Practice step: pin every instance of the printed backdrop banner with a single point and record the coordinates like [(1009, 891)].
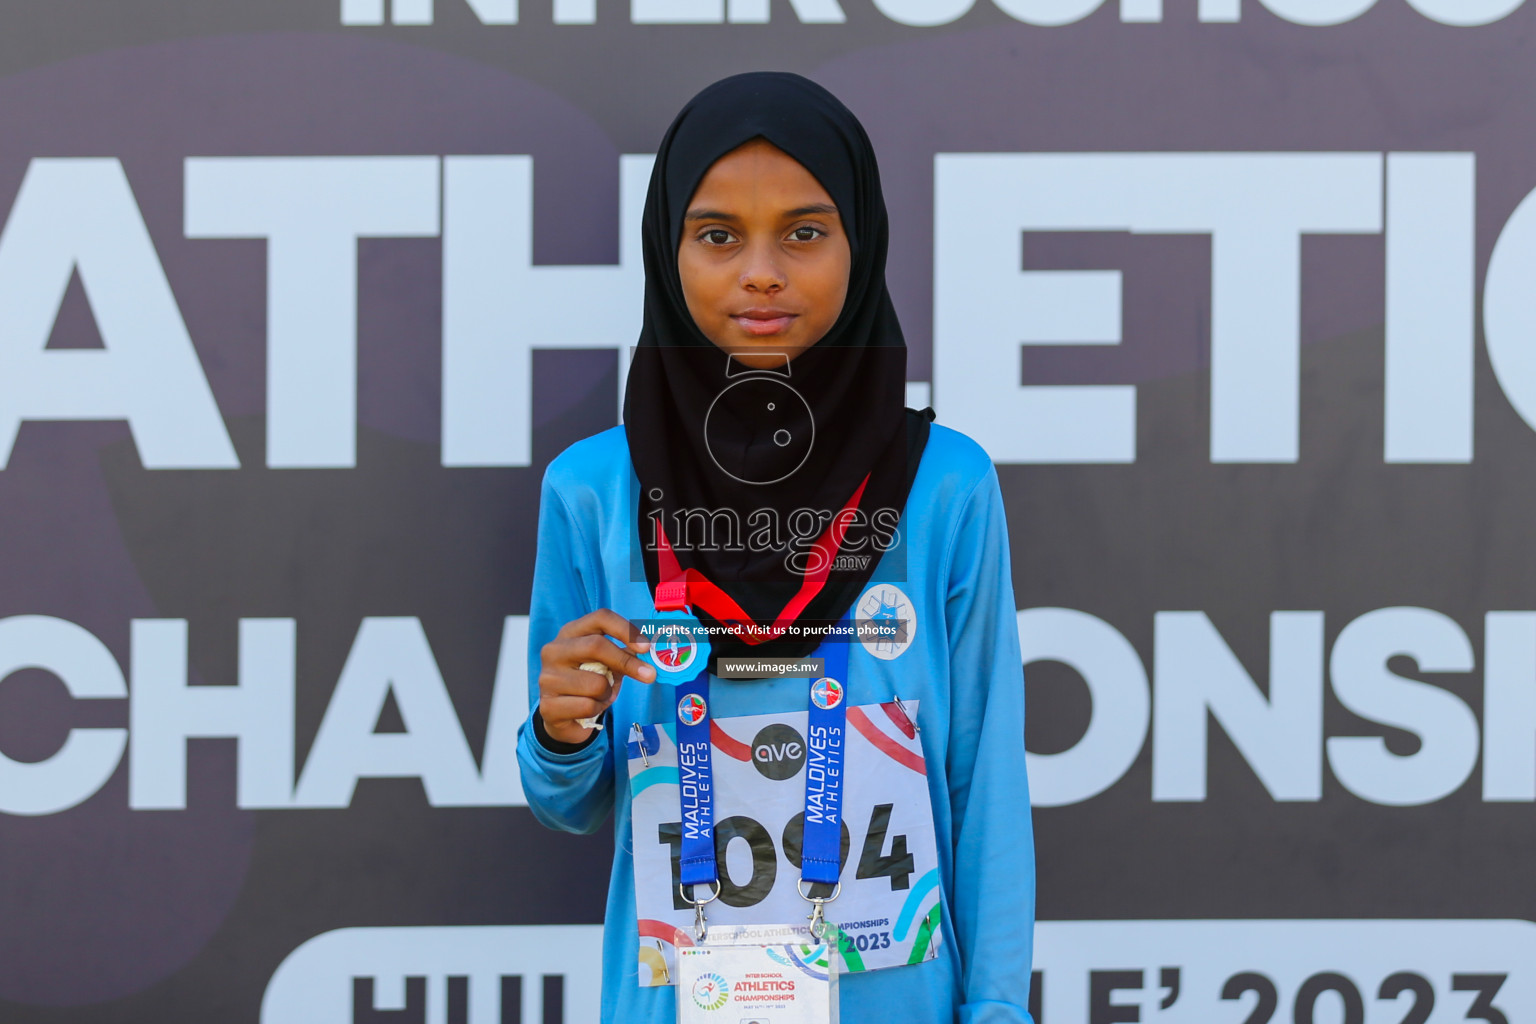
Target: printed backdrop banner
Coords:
[(299, 297)]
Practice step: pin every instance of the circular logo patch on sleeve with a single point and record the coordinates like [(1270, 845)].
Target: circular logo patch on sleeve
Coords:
[(886, 621)]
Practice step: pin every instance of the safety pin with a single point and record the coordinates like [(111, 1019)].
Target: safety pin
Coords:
[(904, 711), (666, 976), (640, 742)]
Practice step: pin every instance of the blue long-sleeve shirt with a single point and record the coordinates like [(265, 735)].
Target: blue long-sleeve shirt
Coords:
[(963, 665)]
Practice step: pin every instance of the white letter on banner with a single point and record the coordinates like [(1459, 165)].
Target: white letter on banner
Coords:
[(501, 778), (1309, 963), (166, 712), (575, 12), (677, 12), (89, 756), (1117, 687), (1430, 306), (1319, 12), (315, 983), (814, 12), (1255, 206), (1196, 673), (362, 12), (1049, 12), (420, 12), (390, 655), (312, 211), (80, 215), (1509, 706), (1509, 309), (498, 307), (1141, 10), (1466, 12), (924, 13), (985, 308), (1220, 10), (1446, 727)]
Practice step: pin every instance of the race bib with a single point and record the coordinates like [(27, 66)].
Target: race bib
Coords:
[(889, 910)]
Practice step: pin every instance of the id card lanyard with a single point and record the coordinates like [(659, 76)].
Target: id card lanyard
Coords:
[(826, 733)]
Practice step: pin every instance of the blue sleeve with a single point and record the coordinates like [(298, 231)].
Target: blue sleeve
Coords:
[(994, 852), (570, 792)]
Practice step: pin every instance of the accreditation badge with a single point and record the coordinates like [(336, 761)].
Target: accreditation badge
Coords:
[(889, 909), (758, 974)]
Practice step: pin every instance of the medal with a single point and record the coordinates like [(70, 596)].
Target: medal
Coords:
[(679, 645)]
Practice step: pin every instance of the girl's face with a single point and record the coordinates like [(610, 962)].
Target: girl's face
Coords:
[(763, 260)]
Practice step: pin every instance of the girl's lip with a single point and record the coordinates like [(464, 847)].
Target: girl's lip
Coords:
[(762, 325)]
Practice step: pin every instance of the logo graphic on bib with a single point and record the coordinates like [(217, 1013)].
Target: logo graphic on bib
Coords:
[(692, 709), (826, 693), (710, 991), (886, 621), (778, 752)]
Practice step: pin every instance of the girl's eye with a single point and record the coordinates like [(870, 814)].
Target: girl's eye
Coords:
[(716, 236), (806, 234)]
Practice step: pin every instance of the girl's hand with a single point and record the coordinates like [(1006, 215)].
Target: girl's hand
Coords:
[(566, 692)]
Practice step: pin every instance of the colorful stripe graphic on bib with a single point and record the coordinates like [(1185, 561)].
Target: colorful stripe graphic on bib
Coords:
[(813, 961), (887, 744)]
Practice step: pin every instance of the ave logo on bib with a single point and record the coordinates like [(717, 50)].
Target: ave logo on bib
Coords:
[(886, 621), (778, 752)]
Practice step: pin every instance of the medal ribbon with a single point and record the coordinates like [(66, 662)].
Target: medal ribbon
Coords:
[(680, 588)]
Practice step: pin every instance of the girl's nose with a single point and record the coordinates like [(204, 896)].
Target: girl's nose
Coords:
[(762, 273)]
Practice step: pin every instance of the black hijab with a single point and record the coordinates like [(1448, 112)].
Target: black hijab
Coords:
[(707, 435)]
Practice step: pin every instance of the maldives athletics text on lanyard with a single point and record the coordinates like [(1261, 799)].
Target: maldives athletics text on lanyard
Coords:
[(680, 647)]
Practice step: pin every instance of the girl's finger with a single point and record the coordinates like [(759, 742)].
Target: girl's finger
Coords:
[(605, 621), (565, 681), (599, 668), (562, 710), (617, 659)]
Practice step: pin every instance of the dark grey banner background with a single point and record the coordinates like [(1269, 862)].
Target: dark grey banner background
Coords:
[(114, 915)]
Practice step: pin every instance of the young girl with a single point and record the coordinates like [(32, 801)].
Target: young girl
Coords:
[(768, 484)]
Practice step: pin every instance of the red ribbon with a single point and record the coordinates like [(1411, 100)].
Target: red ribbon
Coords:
[(682, 588)]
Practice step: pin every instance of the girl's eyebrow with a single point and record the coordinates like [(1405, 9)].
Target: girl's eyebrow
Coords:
[(807, 211), (799, 211)]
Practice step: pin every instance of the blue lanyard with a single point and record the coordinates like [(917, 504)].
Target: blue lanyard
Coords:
[(826, 733), (696, 782), (825, 736)]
